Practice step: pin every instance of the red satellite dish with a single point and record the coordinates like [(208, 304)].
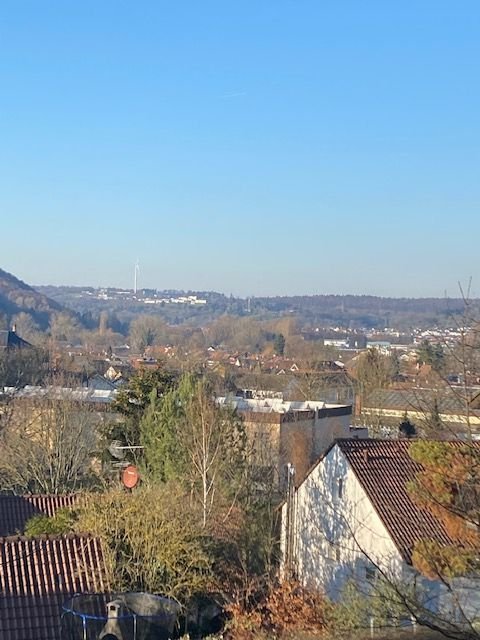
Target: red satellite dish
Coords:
[(130, 476)]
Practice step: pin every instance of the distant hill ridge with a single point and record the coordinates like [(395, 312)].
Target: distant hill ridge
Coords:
[(17, 296)]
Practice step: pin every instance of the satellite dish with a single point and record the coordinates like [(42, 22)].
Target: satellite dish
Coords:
[(117, 450), (130, 476)]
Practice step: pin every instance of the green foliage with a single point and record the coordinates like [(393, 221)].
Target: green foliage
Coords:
[(279, 344), (164, 456), (135, 397), (186, 435), (151, 540), (406, 428), (61, 523), (386, 602), (133, 400), (431, 354)]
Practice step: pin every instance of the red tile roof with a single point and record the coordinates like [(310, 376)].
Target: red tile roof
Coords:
[(37, 575), (16, 510), (384, 468)]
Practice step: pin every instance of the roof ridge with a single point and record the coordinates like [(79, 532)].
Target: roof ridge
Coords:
[(365, 467), (47, 537), (27, 496)]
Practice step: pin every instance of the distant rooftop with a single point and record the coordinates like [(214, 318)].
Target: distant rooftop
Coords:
[(77, 394), (275, 405), (10, 339)]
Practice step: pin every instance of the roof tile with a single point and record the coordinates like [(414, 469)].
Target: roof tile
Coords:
[(15, 511), (37, 575), (384, 468)]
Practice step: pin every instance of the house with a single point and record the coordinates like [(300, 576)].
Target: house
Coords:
[(283, 432), (38, 575), (353, 519), (15, 511), (100, 383), (384, 409), (11, 340)]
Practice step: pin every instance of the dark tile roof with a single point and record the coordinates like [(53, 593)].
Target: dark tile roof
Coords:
[(16, 510), (37, 575), (383, 468), (10, 339)]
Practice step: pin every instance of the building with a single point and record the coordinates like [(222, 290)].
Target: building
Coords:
[(11, 340), (15, 511), (353, 519), (283, 432), (384, 409), (38, 574)]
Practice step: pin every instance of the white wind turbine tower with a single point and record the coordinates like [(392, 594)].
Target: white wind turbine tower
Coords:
[(135, 277)]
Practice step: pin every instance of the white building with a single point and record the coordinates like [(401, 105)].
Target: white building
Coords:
[(352, 518)]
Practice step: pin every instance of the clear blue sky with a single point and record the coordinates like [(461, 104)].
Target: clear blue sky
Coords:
[(254, 147)]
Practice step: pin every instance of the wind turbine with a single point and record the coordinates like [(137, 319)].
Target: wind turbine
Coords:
[(135, 277)]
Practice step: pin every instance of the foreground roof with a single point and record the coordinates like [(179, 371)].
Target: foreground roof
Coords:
[(15, 511), (37, 575), (384, 468)]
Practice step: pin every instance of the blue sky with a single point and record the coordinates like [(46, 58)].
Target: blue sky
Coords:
[(256, 147)]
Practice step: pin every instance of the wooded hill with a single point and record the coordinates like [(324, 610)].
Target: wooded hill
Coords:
[(354, 311), (17, 297)]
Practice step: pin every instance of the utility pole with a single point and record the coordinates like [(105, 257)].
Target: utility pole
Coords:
[(290, 523)]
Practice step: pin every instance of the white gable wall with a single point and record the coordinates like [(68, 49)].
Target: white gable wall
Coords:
[(338, 537), (336, 530)]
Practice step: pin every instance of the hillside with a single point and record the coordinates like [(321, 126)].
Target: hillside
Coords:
[(17, 296), (354, 311)]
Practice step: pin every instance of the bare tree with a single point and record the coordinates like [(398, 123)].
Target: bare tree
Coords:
[(146, 331), (47, 444), (214, 440)]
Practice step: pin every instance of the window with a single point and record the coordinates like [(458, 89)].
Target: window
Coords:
[(340, 488), (333, 552), (370, 574)]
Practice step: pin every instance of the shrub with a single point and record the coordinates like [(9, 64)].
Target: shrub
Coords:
[(283, 611), (59, 524)]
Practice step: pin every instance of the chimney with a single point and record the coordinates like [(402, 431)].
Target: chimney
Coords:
[(14, 328), (366, 457)]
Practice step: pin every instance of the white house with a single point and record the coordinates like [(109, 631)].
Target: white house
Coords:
[(352, 518)]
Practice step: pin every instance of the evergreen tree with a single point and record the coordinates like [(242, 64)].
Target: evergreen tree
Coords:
[(279, 344), (406, 429)]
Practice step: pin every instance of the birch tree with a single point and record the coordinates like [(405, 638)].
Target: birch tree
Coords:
[(214, 441)]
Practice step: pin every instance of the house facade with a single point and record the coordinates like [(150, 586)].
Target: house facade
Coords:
[(283, 432), (352, 519)]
